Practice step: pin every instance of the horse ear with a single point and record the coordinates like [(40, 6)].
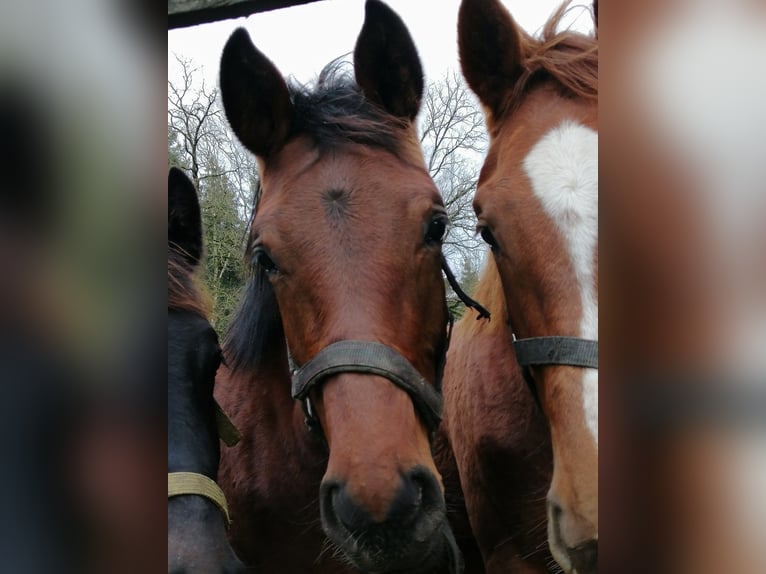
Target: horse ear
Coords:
[(255, 96), (386, 63), (595, 15), (184, 220), (490, 50)]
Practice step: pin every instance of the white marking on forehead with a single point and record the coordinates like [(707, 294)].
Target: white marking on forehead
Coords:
[(563, 170)]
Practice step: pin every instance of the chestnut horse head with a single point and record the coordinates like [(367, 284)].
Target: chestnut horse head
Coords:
[(346, 243), (537, 207), (197, 539)]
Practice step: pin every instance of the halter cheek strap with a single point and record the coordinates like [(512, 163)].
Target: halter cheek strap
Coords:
[(228, 433), (570, 351), (556, 350), (373, 358), (181, 483)]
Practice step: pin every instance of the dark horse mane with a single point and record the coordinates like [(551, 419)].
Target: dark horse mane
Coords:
[(333, 112), (569, 58), (184, 290), (256, 326)]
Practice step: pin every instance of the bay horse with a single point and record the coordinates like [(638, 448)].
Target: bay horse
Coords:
[(197, 513), (344, 310), (537, 207)]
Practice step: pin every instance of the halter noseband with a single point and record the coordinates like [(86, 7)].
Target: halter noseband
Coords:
[(554, 350), (372, 358)]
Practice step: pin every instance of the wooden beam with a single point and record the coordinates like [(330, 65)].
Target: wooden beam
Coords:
[(183, 13)]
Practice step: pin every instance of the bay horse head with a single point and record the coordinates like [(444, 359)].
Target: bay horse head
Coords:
[(346, 243), (537, 207), (197, 516)]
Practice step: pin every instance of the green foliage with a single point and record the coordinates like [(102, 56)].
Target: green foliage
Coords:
[(224, 233)]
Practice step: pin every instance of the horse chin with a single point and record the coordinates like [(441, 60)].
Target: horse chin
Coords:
[(438, 555)]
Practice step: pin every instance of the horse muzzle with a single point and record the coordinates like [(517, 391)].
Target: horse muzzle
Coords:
[(413, 537)]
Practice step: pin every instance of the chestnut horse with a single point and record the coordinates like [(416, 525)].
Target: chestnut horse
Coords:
[(537, 207), (197, 516), (345, 248)]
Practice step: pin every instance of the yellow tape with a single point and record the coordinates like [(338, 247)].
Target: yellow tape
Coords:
[(180, 483), (226, 429)]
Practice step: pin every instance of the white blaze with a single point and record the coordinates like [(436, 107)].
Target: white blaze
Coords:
[(563, 170)]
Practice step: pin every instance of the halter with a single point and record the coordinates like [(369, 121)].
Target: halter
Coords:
[(374, 358), (228, 433), (182, 483), (553, 350)]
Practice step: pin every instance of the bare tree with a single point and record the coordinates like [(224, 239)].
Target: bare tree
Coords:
[(195, 119), (243, 170), (454, 139), (225, 175)]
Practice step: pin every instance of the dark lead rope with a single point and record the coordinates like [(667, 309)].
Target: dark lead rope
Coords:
[(462, 295)]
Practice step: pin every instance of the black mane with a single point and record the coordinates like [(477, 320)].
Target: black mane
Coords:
[(256, 327), (335, 111)]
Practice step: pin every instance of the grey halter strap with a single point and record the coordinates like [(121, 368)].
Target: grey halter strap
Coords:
[(373, 358), (554, 350), (571, 351)]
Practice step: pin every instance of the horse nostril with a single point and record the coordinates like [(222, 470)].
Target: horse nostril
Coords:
[(417, 493), (554, 511), (585, 556), (408, 501), (340, 507)]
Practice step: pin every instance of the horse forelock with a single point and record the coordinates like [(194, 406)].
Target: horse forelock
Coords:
[(568, 58), (334, 111)]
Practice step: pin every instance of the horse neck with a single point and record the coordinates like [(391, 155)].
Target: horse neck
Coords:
[(489, 291), (192, 447), (483, 349)]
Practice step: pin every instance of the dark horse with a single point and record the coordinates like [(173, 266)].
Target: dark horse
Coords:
[(197, 518), (345, 248), (537, 207)]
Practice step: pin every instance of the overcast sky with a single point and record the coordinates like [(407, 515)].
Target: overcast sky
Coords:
[(302, 39)]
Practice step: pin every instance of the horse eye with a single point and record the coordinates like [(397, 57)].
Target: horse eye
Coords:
[(436, 228), (263, 260), (487, 236)]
